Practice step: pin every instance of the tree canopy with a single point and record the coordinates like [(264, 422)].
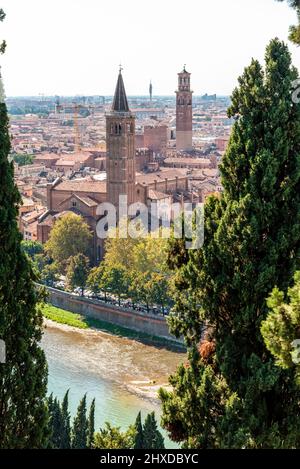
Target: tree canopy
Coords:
[(69, 236)]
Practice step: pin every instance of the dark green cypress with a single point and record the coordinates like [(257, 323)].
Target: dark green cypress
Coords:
[(66, 429), (230, 393), (23, 378), (80, 426), (153, 439), (139, 436), (91, 425)]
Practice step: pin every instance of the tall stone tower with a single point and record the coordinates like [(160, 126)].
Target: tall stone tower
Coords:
[(120, 148), (184, 113)]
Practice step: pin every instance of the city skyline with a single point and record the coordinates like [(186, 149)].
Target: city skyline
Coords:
[(75, 48)]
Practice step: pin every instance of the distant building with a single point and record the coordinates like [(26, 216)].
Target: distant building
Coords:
[(184, 113)]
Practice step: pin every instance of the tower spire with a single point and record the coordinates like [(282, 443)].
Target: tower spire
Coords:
[(120, 103)]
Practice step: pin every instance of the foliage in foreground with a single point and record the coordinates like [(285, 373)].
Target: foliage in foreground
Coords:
[(23, 377), (281, 328), (81, 434), (231, 394)]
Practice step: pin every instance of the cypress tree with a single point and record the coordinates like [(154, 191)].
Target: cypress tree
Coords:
[(23, 378), (56, 422), (91, 425), (230, 394), (139, 436), (66, 430), (153, 439), (80, 426)]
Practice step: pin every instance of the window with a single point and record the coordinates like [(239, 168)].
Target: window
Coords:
[(74, 203)]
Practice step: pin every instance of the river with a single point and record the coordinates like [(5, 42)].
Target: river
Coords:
[(122, 374)]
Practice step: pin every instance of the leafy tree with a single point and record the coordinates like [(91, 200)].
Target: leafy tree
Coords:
[(32, 248), (80, 426), (294, 30), (111, 437), (115, 280), (77, 272), (159, 290), (231, 394), (282, 327), (49, 274), (91, 425), (118, 251), (23, 159), (23, 378), (153, 439), (96, 280), (69, 236), (141, 288), (139, 435)]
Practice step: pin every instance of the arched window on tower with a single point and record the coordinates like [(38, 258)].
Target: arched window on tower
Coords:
[(120, 129)]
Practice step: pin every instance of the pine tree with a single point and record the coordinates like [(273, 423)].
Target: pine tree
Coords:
[(66, 430), (139, 436), (23, 378), (231, 394), (153, 439), (91, 425), (80, 426)]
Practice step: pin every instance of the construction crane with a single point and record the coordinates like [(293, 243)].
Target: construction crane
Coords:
[(59, 107)]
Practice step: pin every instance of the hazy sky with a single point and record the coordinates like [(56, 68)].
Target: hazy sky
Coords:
[(74, 47)]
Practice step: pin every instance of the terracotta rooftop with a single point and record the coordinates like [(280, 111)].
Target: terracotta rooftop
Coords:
[(156, 195), (161, 175), (82, 185)]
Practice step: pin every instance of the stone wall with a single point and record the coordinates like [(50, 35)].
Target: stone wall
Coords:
[(142, 322)]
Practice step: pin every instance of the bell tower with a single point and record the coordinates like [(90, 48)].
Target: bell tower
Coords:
[(120, 151), (184, 112)]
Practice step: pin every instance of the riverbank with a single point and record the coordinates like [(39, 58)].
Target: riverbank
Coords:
[(62, 316), (143, 381)]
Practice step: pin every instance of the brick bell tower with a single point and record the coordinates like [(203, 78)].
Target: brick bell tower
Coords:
[(120, 148), (184, 113)]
